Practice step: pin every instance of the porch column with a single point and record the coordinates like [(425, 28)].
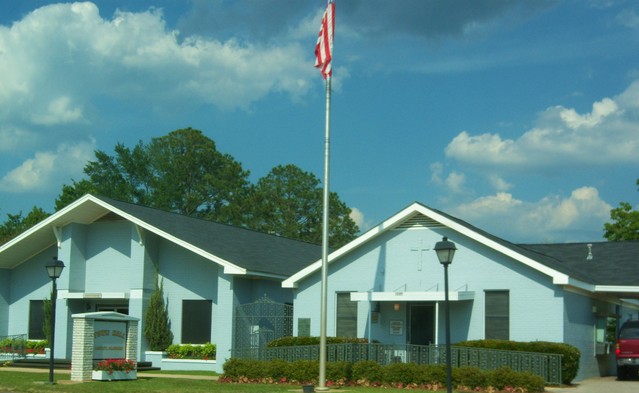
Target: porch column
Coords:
[(223, 324)]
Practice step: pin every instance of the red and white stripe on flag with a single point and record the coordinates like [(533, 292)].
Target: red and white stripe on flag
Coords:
[(324, 46)]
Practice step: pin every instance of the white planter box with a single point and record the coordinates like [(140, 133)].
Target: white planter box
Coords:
[(188, 365), (114, 376)]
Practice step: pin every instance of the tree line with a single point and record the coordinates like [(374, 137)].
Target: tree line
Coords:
[(183, 172)]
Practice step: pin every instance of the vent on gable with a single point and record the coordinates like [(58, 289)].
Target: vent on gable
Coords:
[(419, 221), (110, 217)]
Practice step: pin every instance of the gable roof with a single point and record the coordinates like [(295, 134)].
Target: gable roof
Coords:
[(238, 250), (563, 263), (600, 263)]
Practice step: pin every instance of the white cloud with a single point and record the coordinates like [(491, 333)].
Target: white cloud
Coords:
[(579, 217), (14, 138), (49, 168), (455, 182), (628, 18), (59, 112), (499, 183), (357, 216), (561, 137), (600, 110), (436, 171), (64, 54)]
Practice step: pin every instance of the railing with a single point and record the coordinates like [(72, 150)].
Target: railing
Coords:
[(546, 365), (13, 347)]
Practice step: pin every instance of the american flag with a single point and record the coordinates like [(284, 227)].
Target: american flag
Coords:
[(324, 46)]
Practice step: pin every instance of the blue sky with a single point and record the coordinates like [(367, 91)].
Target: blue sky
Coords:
[(520, 117)]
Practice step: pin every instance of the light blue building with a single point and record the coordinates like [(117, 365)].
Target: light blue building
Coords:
[(388, 285), (217, 278), (239, 288)]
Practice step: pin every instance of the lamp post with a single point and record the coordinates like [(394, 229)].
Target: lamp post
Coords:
[(445, 251), (54, 270)]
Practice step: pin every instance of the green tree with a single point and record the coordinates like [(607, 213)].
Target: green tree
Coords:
[(46, 323), (184, 172), (17, 224), (191, 177), (157, 327), (181, 172), (125, 176), (624, 225), (289, 202)]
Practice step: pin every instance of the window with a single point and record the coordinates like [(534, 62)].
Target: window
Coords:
[(346, 316), (196, 321), (497, 315), (36, 320)]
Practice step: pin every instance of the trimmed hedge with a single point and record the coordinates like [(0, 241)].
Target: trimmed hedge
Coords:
[(368, 373), (206, 351), (291, 341), (569, 362)]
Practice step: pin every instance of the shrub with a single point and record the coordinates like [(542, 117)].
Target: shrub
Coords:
[(370, 373), (157, 327), (470, 376), (404, 373), (304, 371), (206, 351), (569, 361), (235, 368), (36, 346), (505, 378), (366, 372), (291, 341), (244, 370), (278, 369), (339, 372), (434, 374)]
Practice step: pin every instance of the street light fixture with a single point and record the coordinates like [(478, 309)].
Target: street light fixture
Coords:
[(54, 270), (445, 251)]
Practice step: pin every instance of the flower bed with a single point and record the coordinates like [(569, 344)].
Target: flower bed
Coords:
[(114, 369)]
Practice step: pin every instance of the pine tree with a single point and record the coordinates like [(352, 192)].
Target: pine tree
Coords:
[(46, 323), (157, 327)]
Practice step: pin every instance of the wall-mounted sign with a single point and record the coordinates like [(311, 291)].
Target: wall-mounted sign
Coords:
[(396, 328), (109, 340)]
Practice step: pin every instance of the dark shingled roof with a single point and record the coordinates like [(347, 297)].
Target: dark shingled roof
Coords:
[(613, 263), (254, 251)]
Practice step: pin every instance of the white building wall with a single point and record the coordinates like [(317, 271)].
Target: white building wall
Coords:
[(186, 276), (29, 281), (5, 277), (404, 261), (109, 265)]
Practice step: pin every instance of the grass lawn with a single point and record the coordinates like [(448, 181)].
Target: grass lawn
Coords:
[(16, 381)]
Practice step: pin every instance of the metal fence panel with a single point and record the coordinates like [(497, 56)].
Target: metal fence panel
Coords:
[(13, 347), (547, 366)]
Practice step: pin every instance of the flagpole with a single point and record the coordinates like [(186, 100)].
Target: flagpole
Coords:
[(325, 226), (323, 59)]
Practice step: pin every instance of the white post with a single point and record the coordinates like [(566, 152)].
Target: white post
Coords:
[(325, 222)]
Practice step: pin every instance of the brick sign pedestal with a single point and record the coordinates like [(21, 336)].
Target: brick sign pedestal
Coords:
[(101, 335)]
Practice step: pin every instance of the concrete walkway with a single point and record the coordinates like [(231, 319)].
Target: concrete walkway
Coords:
[(599, 385), (140, 374)]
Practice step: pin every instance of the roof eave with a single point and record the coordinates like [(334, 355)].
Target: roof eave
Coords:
[(61, 218), (558, 278), (293, 281)]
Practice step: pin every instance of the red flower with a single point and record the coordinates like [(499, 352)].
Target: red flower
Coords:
[(111, 365)]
